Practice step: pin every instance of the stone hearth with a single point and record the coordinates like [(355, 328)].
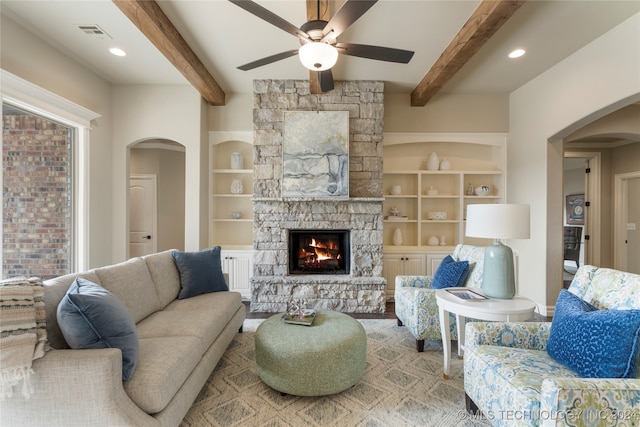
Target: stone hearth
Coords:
[(363, 289)]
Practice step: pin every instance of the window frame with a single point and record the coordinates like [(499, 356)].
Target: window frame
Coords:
[(22, 94)]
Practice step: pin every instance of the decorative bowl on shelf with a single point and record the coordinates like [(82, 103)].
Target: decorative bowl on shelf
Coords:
[(236, 214), (482, 190), (437, 215), (433, 241)]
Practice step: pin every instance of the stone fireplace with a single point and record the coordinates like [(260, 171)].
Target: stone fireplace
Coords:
[(356, 285)]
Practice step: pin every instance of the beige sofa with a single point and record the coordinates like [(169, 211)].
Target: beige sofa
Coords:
[(181, 341)]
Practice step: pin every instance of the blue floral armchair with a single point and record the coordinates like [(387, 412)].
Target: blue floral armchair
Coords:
[(415, 301), (510, 377)]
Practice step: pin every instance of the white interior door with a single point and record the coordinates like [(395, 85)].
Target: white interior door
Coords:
[(143, 213), (627, 222)]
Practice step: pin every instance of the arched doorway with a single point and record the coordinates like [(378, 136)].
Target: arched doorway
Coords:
[(156, 166), (614, 141)]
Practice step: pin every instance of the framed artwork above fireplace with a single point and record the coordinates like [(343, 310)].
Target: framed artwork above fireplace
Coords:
[(315, 154)]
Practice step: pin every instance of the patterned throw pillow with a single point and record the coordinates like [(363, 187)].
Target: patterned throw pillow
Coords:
[(450, 273), (594, 343)]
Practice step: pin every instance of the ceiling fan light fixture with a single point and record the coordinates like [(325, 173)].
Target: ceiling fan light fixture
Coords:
[(318, 56)]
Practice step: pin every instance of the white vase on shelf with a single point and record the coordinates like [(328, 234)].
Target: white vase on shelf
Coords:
[(445, 165), (470, 190), (236, 161), (397, 237), (433, 162), (236, 187)]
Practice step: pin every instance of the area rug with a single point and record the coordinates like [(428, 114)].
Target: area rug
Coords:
[(400, 387)]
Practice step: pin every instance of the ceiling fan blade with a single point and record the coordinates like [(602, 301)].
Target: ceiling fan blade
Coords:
[(326, 80), (268, 60), (270, 17), (375, 52), (349, 13)]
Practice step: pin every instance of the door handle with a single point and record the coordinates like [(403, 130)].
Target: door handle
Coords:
[(146, 237)]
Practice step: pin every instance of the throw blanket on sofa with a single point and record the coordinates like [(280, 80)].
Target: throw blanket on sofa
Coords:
[(23, 333)]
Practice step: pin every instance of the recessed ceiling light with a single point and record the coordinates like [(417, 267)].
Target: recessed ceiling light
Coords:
[(517, 53), (117, 51)]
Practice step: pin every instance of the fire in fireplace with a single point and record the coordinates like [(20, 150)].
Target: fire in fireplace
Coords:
[(319, 252)]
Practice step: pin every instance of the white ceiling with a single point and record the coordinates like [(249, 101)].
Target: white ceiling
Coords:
[(224, 36)]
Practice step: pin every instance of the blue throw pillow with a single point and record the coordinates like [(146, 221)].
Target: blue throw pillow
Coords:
[(594, 343), (200, 272), (450, 273), (90, 316)]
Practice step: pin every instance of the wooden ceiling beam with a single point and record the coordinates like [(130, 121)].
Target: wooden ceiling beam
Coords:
[(312, 14), (485, 21), (154, 24)]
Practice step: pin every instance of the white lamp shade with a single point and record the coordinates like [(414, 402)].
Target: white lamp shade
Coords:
[(318, 56), (498, 221)]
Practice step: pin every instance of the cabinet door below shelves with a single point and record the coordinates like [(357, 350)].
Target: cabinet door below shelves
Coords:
[(402, 265), (434, 260), (239, 266)]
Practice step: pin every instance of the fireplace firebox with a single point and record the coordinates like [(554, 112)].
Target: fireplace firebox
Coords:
[(319, 252)]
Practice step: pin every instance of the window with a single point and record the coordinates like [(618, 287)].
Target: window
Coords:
[(37, 218), (57, 118)]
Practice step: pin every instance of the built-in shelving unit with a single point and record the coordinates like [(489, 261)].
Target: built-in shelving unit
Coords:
[(234, 235), (225, 230), (475, 159)]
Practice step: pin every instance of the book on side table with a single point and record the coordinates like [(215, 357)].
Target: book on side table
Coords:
[(305, 317), (467, 294)]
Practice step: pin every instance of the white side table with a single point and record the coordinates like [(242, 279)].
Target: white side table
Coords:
[(491, 309)]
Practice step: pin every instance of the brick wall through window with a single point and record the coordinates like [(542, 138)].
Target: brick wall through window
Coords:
[(36, 167)]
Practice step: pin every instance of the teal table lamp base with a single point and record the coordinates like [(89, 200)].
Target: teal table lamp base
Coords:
[(498, 280)]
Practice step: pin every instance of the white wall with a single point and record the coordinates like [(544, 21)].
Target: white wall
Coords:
[(600, 78), (447, 113), (156, 112), (57, 73), (237, 114)]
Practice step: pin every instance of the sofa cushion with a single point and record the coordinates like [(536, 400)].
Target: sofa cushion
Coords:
[(131, 282), (225, 303), (594, 343), (92, 317), (54, 290), (475, 256), (607, 288), (203, 317), (164, 364), (450, 273), (499, 378), (200, 272), (165, 276)]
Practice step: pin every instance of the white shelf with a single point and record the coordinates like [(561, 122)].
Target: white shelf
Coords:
[(232, 171)]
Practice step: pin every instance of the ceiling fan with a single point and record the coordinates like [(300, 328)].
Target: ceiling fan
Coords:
[(320, 48)]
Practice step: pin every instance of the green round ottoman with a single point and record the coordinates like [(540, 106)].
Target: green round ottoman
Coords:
[(325, 358)]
